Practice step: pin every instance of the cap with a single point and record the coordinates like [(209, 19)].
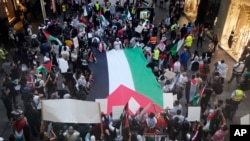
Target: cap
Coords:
[(33, 36)]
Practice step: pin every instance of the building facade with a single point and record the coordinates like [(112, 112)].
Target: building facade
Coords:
[(234, 15), (9, 9)]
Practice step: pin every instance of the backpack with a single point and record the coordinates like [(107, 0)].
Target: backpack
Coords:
[(218, 88), (195, 66)]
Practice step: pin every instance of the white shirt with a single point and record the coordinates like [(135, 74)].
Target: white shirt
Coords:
[(29, 31), (65, 54), (117, 45), (180, 117), (37, 101), (55, 48), (45, 59), (72, 137), (174, 109), (239, 67), (177, 66), (81, 81), (63, 65), (182, 80), (222, 69)]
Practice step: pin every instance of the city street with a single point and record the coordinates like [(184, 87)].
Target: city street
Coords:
[(5, 127)]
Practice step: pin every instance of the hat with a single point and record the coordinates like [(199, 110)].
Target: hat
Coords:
[(33, 36)]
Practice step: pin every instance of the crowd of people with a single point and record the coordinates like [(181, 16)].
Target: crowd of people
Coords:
[(100, 28)]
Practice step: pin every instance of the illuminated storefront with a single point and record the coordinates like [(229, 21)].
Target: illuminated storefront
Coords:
[(9, 8), (237, 20), (191, 9)]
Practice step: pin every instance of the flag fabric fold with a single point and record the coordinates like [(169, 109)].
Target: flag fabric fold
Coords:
[(176, 47), (198, 95), (104, 21), (52, 38), (135, 100), (41, 69), (127, 67), (44, 68), (128, 14)]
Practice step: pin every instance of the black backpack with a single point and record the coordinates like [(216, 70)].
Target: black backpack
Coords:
[(195, 66), (218, 88)]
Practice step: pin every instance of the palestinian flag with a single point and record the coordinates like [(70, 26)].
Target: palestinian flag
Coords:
[(201, 91), (196, 99), (128, 15), (176, 47), (198, 95), (104, 21), (125, 67), (51, 38), (44, 68)]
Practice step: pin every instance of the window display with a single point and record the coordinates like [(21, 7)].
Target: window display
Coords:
[(237, 23), (9, 9)]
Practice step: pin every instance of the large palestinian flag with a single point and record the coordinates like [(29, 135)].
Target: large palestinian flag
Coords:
[(124, 67)]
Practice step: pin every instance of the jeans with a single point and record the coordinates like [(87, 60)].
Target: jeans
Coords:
[(235, 75)]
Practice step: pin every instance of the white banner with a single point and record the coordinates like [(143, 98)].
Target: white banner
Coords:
[(103, 104), (116, 112), (168, 100), (194, 113), (245, 120), (70, 111)]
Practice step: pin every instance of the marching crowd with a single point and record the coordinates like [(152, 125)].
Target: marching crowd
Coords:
[(100, 28)]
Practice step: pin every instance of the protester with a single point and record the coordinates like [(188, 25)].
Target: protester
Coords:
[(100, 29)]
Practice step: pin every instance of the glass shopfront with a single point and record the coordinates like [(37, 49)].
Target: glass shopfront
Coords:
[(191, 8), (10, 8), (238, 21)]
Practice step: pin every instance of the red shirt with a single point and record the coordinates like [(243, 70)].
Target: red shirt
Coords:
[(163, 56), (120, 33), (19, 125)]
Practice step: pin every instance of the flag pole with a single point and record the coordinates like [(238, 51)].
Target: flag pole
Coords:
[(101, 125), (154, 108)]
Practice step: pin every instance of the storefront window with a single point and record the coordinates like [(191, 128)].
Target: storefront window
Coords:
[(9, 9), (191, 8), (238, 23)]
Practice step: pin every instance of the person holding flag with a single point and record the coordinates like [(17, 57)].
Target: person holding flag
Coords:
[(103, 47)]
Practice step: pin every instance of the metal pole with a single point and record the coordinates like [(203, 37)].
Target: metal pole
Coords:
[(43, 10)]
